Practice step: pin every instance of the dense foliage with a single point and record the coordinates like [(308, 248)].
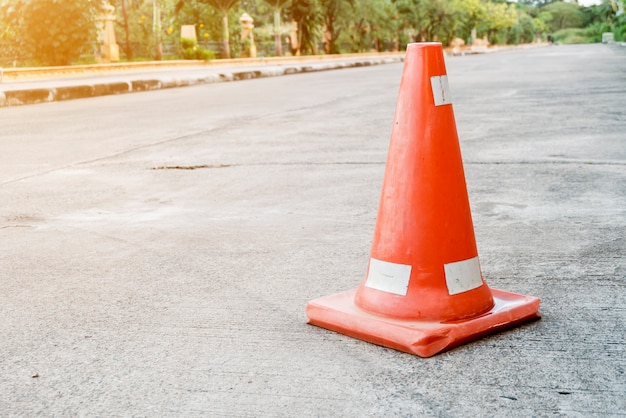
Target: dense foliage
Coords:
[(56, 32), (59, 32)]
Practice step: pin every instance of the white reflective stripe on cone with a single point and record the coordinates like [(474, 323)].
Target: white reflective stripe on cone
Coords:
[(388, 277), (462, 276), (441, 90)]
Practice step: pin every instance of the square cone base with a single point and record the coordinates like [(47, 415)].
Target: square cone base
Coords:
[(338, 313)]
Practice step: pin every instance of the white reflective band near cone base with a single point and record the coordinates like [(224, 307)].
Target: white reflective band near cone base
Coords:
[(388, 277), (441, 90), (462, 276)]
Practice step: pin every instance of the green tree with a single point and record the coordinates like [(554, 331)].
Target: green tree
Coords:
[(277, 7), (619, 20), (372, 24), (206, 19), (132, 19), (430, 20), (608, 16), (384, 25), (308, 16), (334, 16), (499, 17), (471, 13), (126, 46), (564, 15), (139, 26), (9, 30), (55, 32), (411, 18), (443, 19), (223, 7)]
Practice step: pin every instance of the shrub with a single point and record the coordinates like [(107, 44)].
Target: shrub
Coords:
[(573, 36), (595, 31), (192, 51)]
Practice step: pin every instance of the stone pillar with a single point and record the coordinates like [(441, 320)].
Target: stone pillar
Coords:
[(109, 49), (247, 26), (188, 32)]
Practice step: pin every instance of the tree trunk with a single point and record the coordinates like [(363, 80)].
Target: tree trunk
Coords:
[(277, 42), (156, 29), (333, 35), (226, 45), (127, 47), (300, 50)]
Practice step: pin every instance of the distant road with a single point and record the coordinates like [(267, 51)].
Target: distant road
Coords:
[(49, 84)]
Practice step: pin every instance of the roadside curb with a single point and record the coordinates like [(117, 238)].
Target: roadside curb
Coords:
[(21, 97)]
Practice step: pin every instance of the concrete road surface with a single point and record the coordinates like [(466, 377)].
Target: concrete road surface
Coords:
[(157, 250)]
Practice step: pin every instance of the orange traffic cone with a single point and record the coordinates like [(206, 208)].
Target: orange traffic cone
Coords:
[(424, 291)]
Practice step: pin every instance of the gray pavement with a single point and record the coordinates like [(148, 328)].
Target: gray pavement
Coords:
[(157, 250)]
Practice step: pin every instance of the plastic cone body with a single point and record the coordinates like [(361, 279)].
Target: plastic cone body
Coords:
[(424, 291)]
